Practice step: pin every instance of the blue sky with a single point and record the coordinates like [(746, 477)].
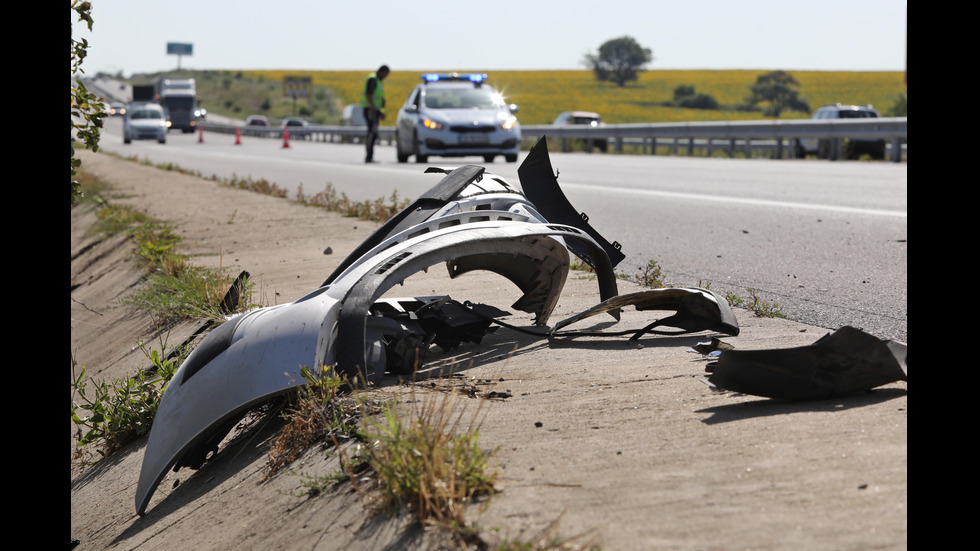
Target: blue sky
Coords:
[(131, 35)]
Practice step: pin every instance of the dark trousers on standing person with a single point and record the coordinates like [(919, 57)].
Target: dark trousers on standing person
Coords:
[(371, 117)]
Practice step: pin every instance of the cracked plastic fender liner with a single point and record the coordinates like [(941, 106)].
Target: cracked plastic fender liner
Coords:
[(848, 361), (695, 310)]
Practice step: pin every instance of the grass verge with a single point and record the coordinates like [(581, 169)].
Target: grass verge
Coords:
[(112, 413), (175, 290)]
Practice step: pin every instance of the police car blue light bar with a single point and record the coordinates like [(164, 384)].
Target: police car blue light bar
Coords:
[(472, 77)]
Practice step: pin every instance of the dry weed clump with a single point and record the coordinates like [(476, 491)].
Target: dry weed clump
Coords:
[(322, 413), (378, 210)]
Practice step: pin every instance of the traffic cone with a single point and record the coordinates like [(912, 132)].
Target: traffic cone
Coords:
[(285, 137), (200, 135), (238, 136)]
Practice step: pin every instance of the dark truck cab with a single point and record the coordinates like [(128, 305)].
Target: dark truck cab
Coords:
[(179, 97)]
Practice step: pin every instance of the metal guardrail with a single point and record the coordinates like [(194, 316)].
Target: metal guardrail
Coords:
[(777, 136)]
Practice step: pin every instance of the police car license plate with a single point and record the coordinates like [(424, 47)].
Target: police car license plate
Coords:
[(471, 139)]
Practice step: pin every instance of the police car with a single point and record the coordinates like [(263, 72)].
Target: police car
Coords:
[(456, 115)]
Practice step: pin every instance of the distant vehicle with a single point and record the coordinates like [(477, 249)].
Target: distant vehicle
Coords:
[(179, 97), (145, 121), (855, 147), (117, 109), (586, 118), (353, 115), (143, 92), (293, 121), (454, 115), (297, 127), (256, 120)]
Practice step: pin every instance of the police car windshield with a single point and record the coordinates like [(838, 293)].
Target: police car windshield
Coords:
[(483, 97)]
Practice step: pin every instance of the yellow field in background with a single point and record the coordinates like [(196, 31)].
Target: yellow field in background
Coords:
[(542, 95)]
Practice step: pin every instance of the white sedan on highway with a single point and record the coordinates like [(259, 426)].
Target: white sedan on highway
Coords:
[(145, 121)]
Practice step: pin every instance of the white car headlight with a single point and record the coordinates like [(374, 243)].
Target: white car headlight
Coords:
[(432, 125)]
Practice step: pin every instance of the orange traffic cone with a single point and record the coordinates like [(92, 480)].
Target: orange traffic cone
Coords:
[(238, 136), (285, 137), (200, 135)]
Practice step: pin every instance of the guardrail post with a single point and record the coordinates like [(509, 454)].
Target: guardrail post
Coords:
[(731, 148), (619, 144), (690, 147), (896, 150), (779, 148), (653, 145)]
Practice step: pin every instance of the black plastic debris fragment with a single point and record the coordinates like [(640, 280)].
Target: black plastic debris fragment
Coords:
[(846, 362), (231, 299), (541, 186), (406, 327)]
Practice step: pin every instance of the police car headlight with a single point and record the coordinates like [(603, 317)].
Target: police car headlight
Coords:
[(432, 125), (509, 123)]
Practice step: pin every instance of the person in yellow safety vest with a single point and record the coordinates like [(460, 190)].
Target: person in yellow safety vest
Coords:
[(373, 103)]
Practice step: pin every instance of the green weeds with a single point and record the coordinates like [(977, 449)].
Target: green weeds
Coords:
[(759, 307), (111, 414), (184, 292), (424, 458), (175, 289), (429, 461), (114, 219), (651, 275)]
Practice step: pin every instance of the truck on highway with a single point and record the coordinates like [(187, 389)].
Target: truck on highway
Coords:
[(143, 92), (179, 97)]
